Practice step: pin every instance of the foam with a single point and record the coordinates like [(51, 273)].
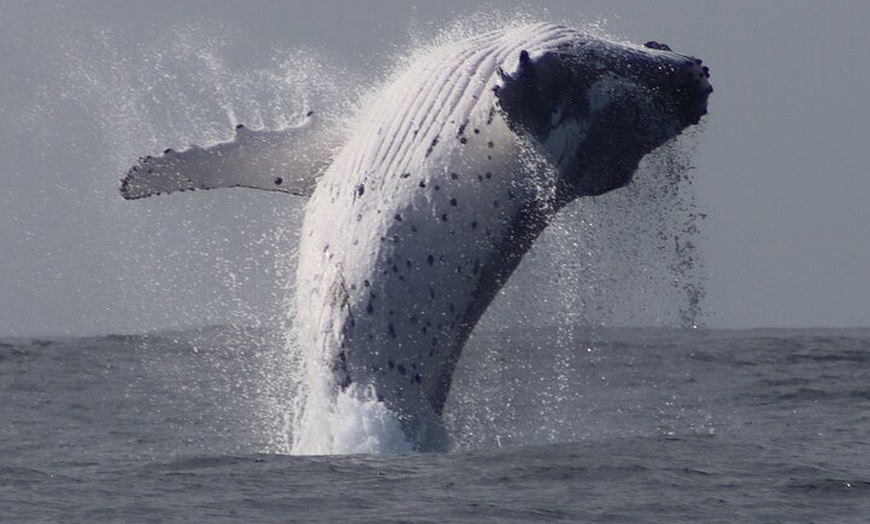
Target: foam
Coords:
[(352, 422)]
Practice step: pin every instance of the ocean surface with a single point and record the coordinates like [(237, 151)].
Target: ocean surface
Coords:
[(561, 424)]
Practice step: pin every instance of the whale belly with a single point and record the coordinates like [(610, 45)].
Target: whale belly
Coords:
[(397, 245)]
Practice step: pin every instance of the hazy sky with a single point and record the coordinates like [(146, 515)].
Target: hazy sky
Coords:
[(87, 86)]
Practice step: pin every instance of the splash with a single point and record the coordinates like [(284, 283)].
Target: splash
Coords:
[(352, 422)]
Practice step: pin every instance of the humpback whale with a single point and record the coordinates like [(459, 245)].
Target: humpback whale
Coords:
[(422, 206)]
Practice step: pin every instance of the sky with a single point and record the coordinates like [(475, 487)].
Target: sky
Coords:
[(779, 167)]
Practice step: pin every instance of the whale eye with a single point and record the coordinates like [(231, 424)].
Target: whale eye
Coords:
[(279, 181)]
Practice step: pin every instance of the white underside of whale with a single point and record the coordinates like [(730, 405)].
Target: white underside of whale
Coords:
[(400, 226)]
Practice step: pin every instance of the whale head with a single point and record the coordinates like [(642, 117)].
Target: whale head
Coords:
[(596, 109)]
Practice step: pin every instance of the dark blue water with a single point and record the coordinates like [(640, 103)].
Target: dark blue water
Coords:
[(551, 425)]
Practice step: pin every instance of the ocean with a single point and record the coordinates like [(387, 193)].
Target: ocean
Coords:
[(550, 424)]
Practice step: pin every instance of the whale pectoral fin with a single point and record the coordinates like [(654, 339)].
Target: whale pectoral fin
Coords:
[(288, 160)]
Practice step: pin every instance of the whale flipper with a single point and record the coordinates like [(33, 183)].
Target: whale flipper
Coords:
[(287, 160)]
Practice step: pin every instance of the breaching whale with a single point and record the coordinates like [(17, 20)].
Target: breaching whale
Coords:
[(421, 210)]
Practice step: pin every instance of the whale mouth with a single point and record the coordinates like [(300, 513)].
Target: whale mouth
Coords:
[(699, 89), (690, 81)]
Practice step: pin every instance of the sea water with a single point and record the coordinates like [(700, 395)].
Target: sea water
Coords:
[(553, 425)]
